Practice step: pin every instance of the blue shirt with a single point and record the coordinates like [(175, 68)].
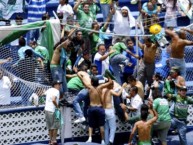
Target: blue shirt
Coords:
[(21, 52), (133, 60), (145, 8)]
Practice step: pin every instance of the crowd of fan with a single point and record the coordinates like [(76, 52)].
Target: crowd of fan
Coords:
[(110, 77)]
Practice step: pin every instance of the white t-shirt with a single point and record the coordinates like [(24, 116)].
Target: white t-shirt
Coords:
[(123, 24), (66, 10), (101, 65), (136, 103), (50, 93), (5, 92)]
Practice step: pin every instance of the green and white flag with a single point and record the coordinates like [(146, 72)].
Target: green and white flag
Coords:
[(49, 37)]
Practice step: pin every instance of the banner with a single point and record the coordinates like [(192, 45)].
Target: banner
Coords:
[(10, 7), (184, 5), (49, 37)]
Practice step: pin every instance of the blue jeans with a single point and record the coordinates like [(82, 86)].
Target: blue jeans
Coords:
[(115, 61), (110, 127), (83, 95), (180, 63), (58, 74), (181, 127)]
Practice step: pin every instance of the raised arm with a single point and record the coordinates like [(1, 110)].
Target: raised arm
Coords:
[(63, 45), (151, 121), (110, 82), (139, 43), (170, 33), (108, 20), (76, 6), (187, 42), (72, 31), (132, 133)]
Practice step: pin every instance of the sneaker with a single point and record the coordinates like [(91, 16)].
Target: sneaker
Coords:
[(103, 142), (155, 140), (89, 140), (79, 120)]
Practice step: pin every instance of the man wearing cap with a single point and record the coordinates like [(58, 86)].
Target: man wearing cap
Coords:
[(52, 101), (178, 44), (180, 113), (123, 22), (178, 79)]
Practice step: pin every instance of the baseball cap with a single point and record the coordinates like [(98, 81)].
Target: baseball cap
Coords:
[(56, 82), (183, 88), (176, 68), (172, 71)]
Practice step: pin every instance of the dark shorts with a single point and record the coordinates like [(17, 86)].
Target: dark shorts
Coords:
[(96, 116)]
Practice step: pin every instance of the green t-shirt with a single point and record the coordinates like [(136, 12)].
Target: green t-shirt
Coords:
[(181, 106), (162, 107), (119, 48), (75, 83), (94, 9), (43, 52), (85, 20), (95, 40), (168, 89)]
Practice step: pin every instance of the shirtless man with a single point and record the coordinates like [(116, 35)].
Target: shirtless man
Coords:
[(110, 124), (147, 65), (133, 82), (56, 69), (144, 126), (96, 113), (178, 44)]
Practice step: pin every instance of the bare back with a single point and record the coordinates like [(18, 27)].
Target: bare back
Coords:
[(107, 99), (140, 87), (144, 130), (177, 48), (95, 96)]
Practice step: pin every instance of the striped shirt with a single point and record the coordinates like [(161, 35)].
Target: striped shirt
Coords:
[(36, 8)]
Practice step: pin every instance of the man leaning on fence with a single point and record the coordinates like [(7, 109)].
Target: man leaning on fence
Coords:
[(51, 106)]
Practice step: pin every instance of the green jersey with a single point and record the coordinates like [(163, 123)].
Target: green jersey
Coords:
[(85, 20), (75, 83), (181, 106), (43, 52), (93, 8), (169, 87), (119, 48), (161, 105)]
